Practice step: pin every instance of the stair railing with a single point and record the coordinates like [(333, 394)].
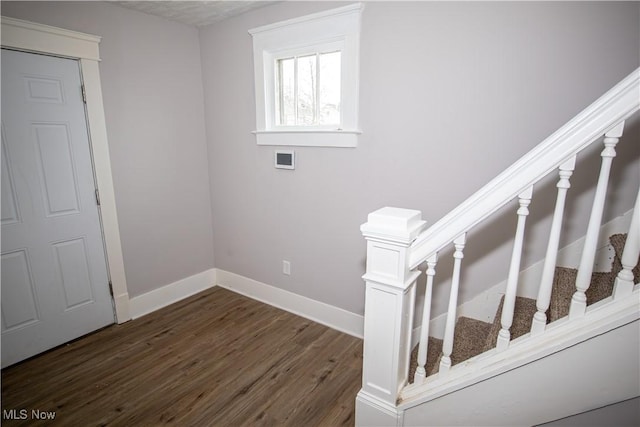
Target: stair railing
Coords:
[(398, 242)]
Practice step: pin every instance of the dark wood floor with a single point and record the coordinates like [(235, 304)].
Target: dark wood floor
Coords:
[(215, 359)]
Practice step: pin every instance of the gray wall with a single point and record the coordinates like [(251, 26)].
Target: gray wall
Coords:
[(451, 94), (152, 87)]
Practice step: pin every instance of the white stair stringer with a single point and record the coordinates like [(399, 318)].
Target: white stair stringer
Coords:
[(572, 368)]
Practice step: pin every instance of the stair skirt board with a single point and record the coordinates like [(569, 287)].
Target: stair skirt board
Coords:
[(473, 337), (534, 385)]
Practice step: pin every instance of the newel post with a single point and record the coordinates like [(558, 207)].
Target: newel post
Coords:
[(388, 314)]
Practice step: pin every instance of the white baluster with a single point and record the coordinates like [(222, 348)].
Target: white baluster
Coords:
[(447, 345), (539, 322), (421, 372), (583, 279), (623, 285), (504, 336)]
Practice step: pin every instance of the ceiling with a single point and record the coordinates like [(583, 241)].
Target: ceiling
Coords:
[(195, 13)]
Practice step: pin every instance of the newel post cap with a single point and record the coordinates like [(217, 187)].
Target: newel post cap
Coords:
[(393, 224)]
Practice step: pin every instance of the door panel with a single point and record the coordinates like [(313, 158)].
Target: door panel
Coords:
[(54, 276), (56, 168), (18, 300), (43, 90), (9, 210)]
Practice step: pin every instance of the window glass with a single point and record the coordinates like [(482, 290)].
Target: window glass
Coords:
[(307, 80), (329, 92), (308, 90), (285, 99)]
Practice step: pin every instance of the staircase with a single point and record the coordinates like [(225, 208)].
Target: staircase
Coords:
[(582, 328), (474, 337)]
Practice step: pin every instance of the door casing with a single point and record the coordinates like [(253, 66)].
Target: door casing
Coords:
[(32, 37)]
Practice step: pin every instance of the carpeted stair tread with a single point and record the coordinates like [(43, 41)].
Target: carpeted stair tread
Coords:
[(564, 286), (618, 241), (601, 282), (523, 312), (433, 356), (469, 339), (601, 286), (564, 281)]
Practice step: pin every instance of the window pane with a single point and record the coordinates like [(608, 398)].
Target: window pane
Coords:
[(285, 92), (307, 90), (329, 93)]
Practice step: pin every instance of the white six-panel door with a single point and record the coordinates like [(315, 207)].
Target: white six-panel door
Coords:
[(54, 276)]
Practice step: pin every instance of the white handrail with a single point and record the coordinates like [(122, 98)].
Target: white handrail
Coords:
[(610, 109)]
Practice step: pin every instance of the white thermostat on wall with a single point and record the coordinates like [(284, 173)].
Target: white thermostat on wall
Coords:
[(285, 159)]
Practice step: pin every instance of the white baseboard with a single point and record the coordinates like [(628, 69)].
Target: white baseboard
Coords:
[(328, 315), (173, 292)]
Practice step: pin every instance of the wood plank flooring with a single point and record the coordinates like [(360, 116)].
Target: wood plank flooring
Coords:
[(215, 359)]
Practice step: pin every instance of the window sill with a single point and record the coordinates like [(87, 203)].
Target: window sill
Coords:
[(308, 138)]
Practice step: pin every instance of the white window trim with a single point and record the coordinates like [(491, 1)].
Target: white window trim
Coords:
[(341, 25)]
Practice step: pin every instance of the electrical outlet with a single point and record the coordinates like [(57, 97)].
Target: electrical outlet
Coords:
[(286, 268)]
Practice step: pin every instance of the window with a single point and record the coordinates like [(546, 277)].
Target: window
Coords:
[(308, 90), (306, 79)]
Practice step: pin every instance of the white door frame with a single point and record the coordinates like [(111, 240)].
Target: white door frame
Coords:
[(32, 37)]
